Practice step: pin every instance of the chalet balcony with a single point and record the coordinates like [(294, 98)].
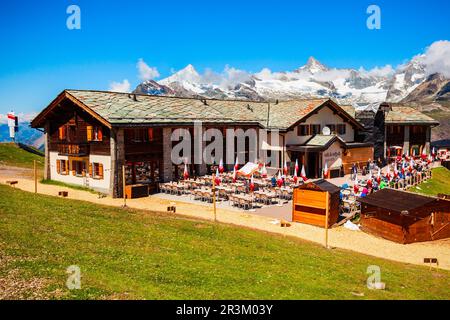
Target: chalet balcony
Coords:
[(78, 150)]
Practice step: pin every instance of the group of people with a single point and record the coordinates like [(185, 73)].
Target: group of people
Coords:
[(399, 170)]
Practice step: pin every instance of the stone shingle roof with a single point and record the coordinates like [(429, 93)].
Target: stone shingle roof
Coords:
[(115, 109), (121, 108), (400, 113)]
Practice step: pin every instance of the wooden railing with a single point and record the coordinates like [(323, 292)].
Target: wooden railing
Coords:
[(73, 149)]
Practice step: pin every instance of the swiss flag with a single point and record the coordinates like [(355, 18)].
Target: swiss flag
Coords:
[(295, 174), (234, 175), (221, 167), (279, 180)]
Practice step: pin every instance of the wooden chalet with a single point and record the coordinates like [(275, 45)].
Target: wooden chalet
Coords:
[(405, 217), (91, 135)]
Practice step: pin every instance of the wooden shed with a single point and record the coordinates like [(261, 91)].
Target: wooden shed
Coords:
[(312, 200), (405, 217)]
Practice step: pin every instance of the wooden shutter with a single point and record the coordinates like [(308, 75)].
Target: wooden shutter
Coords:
[(66, 166), (100, 170), (73, 167), (58, 166), (62, 133), (99, 134), (90, 170), (150, 134), (90, 132)]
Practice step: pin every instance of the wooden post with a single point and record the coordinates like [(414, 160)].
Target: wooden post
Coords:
[(35, 176), (214, 196), (123, 186), (327, 208)]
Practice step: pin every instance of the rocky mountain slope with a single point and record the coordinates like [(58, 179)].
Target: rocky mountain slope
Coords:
[(348, 86)]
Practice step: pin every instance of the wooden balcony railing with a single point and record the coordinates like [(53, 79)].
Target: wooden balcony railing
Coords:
[(73, 149)]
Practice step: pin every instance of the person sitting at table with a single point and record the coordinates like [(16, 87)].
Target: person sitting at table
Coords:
[(273, 181)]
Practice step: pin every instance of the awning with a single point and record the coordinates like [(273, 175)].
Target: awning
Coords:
[(249, 169)]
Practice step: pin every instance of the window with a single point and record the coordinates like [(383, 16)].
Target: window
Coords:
[(341, 128), (96, 170), (78, 168), (315, 129), (62, 167), (304, 130), (94, 133), (332, 127)]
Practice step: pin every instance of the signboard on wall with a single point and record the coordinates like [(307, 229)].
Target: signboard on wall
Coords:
[(332, 156)]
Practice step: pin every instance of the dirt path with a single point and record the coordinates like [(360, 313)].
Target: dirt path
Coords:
[(339, 237)]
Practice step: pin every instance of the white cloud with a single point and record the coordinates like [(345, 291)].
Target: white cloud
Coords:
[(382, 72), (437, 58), (123, 86), (145, 71)]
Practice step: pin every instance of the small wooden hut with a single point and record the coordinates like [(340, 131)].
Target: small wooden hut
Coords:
[(312, 201), (405, 217)]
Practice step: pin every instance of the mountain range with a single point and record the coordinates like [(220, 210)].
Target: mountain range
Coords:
[(409, 83)]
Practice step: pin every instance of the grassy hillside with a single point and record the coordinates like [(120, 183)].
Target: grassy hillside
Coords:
[(439, 183), (11, 154), (136, 254)]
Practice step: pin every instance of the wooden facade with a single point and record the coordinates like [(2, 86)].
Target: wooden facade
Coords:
[(404, 217), (359, 156), (313, 200)]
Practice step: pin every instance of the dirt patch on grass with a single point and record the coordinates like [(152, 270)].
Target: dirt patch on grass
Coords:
[(14, 286)]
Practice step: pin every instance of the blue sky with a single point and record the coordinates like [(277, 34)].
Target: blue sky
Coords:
[(39, 56)]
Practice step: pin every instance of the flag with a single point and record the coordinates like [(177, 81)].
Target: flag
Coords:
[(234, 175), (379, 176), (296, 165), (285, 168), (325, 171), (217, 179), (411, 165), (424, 153), (388, 173), (264, 171), (252, 184), (221, 168), (186, 172), (279, 180), (303, 173), (295, 174), (356, 185), (403, 167), (236, 165), (395, 170)]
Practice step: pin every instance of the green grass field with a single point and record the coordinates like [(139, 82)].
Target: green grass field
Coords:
[(12, 155), (439, 183), (136, 254)]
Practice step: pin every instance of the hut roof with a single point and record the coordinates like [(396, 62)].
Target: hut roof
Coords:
[(322, 185), (396, 200)]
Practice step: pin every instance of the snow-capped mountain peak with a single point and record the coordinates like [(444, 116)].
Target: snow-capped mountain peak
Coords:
[(313, 66), (187, 74)]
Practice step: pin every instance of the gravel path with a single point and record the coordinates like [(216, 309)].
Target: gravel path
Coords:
[(338, 237)]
